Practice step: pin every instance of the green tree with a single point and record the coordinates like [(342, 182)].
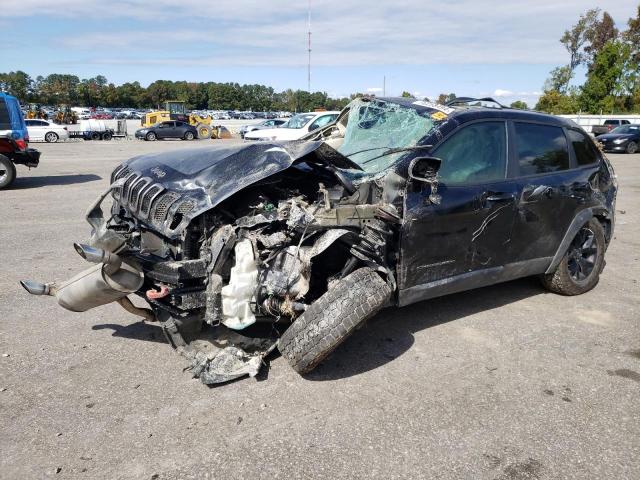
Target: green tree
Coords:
[(18, 84), (520, 104), (406, 94), (604, 79), (599, 33), (552, 101)]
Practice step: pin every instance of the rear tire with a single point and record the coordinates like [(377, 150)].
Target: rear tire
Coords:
[(332, 318), (632, 147), (189, 136), (579, 270), (7, 172), (51, 137), (151, 137), (95, 136), (106, 136)]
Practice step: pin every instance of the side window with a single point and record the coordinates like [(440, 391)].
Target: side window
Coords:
[(321, 122), (476, 153), (28, 123), (585, 151), (541, 149)]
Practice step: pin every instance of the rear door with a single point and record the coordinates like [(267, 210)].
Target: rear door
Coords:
[(470, 229), (548, 189)]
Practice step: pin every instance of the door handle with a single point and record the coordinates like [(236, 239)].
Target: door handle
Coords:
[(498, 196)]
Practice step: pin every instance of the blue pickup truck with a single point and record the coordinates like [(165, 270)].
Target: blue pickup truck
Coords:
[(14, 141)]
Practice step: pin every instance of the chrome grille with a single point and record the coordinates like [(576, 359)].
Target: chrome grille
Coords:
[(127, 185), (135, 193), (162, 205), (147, 197), (185, 207)]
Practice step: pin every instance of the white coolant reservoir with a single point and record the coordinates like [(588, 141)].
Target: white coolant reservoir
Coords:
[(237, 295)]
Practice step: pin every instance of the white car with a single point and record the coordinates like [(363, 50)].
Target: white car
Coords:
[(296, 127), (43, 130)]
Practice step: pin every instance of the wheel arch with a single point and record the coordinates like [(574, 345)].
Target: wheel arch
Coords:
[(578, 221)]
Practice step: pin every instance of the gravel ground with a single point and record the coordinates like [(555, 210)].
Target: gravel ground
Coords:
[(504, 382)]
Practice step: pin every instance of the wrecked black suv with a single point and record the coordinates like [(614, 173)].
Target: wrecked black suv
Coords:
[(395, 202)]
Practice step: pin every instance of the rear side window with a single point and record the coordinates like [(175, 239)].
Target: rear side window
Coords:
[(475, 154), (5, 121), (540, 149), (585, 151)]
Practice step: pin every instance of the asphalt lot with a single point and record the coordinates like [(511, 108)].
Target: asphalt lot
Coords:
[(506, 382)]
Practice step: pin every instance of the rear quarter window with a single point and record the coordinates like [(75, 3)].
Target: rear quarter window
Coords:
[(540, 149), (5, 121), (584, 149)]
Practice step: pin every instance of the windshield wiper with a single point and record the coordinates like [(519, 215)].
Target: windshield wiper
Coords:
[(392, 150)]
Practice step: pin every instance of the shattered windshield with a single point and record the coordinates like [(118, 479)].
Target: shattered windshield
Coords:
[(375, 126), (298, 121)]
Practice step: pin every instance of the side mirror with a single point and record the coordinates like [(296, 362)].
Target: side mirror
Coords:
[(425, 169)]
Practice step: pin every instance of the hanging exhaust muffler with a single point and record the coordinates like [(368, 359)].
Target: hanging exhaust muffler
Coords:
[(109, 280)]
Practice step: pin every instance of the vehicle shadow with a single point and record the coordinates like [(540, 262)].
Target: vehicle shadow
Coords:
[(45, 181), (391, 333), (135, 331)]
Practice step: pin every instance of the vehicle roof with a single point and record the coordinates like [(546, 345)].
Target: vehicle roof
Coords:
[(469, 113)]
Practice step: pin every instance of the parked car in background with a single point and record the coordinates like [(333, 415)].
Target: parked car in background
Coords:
[(171, 129), (44, 130), (607, 126), (625, 138), (275, 123), (14, 141), (296, 127)]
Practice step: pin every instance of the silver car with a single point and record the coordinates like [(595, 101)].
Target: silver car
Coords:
[(271, 123)]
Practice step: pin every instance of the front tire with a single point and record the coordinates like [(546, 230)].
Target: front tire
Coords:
[(51, 137), (7, 172), (632, 147), (328, 321), (579, 270)]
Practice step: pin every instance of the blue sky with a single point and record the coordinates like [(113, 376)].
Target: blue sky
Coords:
[(472, 48)]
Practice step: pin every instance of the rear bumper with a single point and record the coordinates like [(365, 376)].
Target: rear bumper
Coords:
[(29, 157)]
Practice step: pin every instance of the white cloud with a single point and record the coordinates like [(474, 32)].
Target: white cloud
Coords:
[(502, 93), (374, 89), (355, 33)]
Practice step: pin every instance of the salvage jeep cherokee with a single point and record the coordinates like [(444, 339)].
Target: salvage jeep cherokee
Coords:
[(395, 202)]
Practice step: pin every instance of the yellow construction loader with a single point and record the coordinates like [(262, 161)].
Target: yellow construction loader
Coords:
[(175, 110), (66, 116)]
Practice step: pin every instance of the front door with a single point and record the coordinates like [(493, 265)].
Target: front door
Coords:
[(470, 229), (165, 130)]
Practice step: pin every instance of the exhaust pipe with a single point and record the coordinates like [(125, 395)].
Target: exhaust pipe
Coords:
[(108, 281)]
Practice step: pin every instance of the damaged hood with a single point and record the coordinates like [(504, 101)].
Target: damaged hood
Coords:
[(204, 177)]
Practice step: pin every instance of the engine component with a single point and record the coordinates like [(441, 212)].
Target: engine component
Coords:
[(238, 293)]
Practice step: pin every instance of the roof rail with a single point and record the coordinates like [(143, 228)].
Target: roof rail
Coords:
[(467, 100)]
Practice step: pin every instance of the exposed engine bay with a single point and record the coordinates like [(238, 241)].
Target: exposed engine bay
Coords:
[(261, 256)]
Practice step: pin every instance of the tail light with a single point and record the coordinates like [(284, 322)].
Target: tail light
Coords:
[(22, 143)]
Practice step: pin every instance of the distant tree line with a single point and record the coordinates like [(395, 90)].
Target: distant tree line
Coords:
[(59, 89), (612, 61)]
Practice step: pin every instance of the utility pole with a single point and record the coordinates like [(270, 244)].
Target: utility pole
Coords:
[(384, 86), (309, 50)]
